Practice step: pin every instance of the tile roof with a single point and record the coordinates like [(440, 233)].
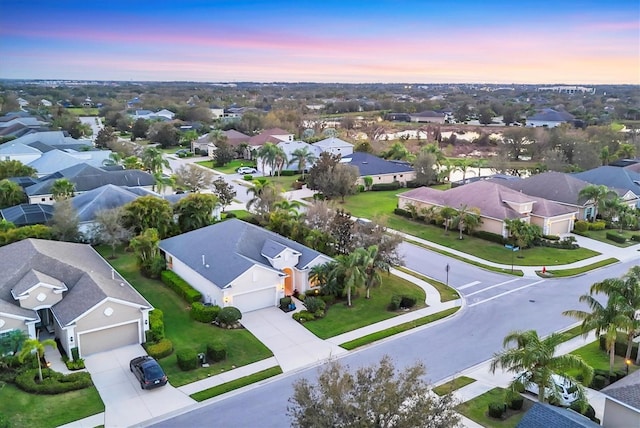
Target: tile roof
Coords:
[(626, 390), (87, 276), (369, 164), (230, 248), (548, 416)]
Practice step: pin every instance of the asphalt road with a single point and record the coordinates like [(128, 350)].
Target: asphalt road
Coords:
[(497, 305)]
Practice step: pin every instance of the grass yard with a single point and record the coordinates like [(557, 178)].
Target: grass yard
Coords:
[(241, 214), (83, 111), (371, 205), (229, 168), (476, 410), (242, 347), (576, 271), (453, 385), (599, 359), (446, 293), (340, 318), (537, 256), (236, 384), (33, 410), (601, 235), (285, 183)]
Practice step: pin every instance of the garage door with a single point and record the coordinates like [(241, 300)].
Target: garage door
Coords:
[(255, 300), (559, 227), (109, 338)]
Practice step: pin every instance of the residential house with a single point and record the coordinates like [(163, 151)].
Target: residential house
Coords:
[(27, 214), (234, 139), (86, 177), (168, 114), (427, 116), (69, 291), (288, 147), (548, 416), (622, 403), (49, 140), (234, 263), (19, 152), (615, 177), (496, 203), (380, 170), (216, 112), (550, 118), (56, 160), (274, 135), (335, 146)]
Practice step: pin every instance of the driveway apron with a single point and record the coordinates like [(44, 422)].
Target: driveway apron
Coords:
[(125, 402), (292, 345)]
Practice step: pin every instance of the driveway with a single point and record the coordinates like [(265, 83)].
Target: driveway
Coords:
[(125, 402), (293, 345)]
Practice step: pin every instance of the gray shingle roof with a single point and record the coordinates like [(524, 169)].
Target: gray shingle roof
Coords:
[(551, 115), (105, 197), (87, 276), (33, 277), (626, 390), (612, 176), (229, 248), (555, 186), (56, 160), (13, 148), (369, 164), (548, 416)]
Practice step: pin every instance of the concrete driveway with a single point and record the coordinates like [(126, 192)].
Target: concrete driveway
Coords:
[(125, 402), (293, 345)]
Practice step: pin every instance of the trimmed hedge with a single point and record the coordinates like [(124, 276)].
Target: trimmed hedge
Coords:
[(491, 237), (288, 173), (402, 212), (156, 326), (635, 238), (161, 349), (53, 382), (581, 226), (615, 237), (187, 359), (202, 313), (598, 382), (180, 286), (216, 351), (516, 403), (386, 186), (496, 410)]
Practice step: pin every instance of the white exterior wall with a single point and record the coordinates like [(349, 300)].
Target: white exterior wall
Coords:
[(210, 292), (617, 415), (255, 279), (401, 177), (548, 124)]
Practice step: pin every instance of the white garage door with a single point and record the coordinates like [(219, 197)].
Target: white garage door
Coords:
[(109, 338), (255, 300), (559, 227)]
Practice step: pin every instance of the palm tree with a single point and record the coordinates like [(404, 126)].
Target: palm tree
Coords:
[(537, 358), (115, 158), (319, 274), (132, 162), (153, 160), (605, 156), (62, 188), (162, 182), (350, 269), (34, 346), (302, 157), (626, 151), (267, 154), (597, 194), (466, 218), (464, 166), (373, 266), (398, 151), (292, 208), (447, 213), (604, 319), (280, 160)]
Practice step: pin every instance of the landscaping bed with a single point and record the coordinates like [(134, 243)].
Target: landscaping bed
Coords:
[(477, 410)]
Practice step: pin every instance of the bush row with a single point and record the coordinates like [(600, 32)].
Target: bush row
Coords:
[(187, 359), (616, 237), (202, 313), (156, 326), (583, 225), (401, 302), (635, 238), (163, 348), (53, 382), (386, 186), (566, 243), (180, 286), (621, 346)]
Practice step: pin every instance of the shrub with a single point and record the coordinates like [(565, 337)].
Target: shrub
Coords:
[(394, 305), (402, 212), (53, 382), (635, 238), (551, 237), (77, 364), (412, 184), (156, 326), (230, 215), (180, 286), (597, 225), (386, 186), (187, 359), (216, 351), (315, 304), (75, 353), (288, 173), (247, 177), (329, 299), (285, 302), (516, 403), (229, 315), (616, 237), (598, 382), (491, 237), (202, 313), (619, 374), (581, 226), (496, 410), (303, 316), (360, 188), (408, 302), (4, 421), (161, 349)]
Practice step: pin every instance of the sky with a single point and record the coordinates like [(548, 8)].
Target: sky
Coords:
[(349, 41)]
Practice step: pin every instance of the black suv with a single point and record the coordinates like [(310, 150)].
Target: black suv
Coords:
[(148, 371)]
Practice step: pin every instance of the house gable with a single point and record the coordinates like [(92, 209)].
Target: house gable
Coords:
[(108, 312), (255, 278)]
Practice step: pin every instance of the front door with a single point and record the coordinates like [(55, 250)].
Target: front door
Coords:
[(288, 282), (46, 320)]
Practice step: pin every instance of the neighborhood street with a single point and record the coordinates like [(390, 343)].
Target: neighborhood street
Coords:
[(496, 305)]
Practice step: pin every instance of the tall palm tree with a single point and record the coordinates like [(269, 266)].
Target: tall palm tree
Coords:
[(464, 166), (466, 219), (537, 358), (35, 347), (162, 182), (280, 160), (292, 208), (267, 155), (597, 194), (62, 188), (319, 274), (302, 157), (350, 269), (153, 160), (604, 319), (373, 266), (447, 214)]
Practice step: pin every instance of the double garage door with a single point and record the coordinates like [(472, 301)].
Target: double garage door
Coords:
[(255, 300), (108, 338)]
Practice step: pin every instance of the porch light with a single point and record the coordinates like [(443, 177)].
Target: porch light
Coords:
[(226, 299), (627, 363), (281, 287)]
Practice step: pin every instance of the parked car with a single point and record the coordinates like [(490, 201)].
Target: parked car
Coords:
[(148, 372), (246, 170), (182, 153), (565, 391)]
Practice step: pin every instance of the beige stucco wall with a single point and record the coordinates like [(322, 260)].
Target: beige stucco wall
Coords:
[(32, 301), (554, 225), (97, 318), (618, 416), (9, 323)]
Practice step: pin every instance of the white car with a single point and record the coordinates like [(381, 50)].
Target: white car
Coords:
[(565, 390), (246, 170)]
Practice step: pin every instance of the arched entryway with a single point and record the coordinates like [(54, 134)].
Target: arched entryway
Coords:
[(288, 282)]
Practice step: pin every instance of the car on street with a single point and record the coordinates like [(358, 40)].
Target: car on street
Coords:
[(566, 392), (182, 153), (246, 170), (148, 372)]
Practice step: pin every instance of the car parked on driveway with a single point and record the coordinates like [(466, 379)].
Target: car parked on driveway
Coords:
[(148, 372), (562, 389), (246, 170)]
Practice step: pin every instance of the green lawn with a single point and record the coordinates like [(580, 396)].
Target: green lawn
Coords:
[(371, 205), (229, 168), (599, 359), (601, 235), (340, 318), (576, 271), (446, 293), (285, 183), (82, 111), (242, 347), (476, 410), (236, 384), (453, 385), (33, 410)]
